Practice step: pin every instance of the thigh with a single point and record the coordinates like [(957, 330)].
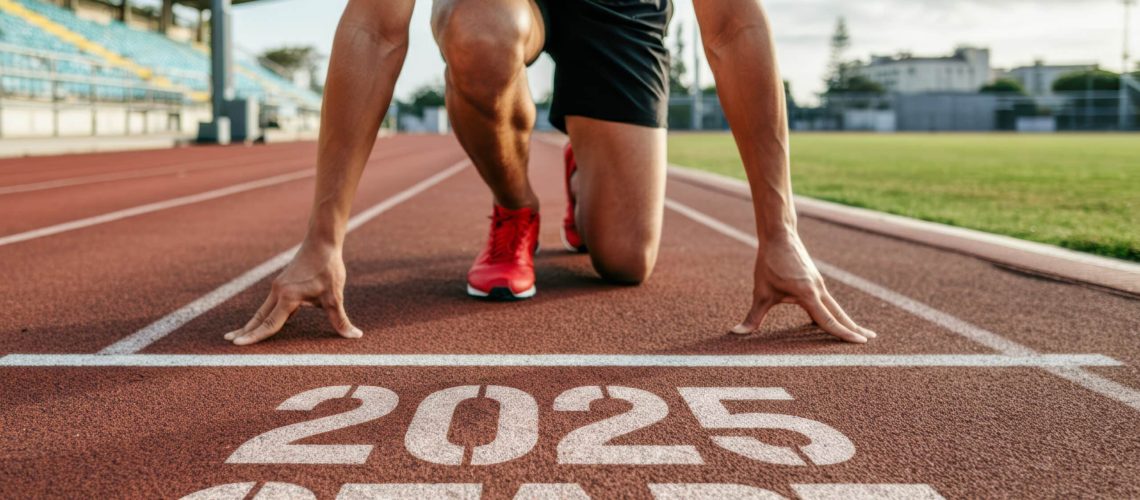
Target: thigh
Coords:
[(620, 191)]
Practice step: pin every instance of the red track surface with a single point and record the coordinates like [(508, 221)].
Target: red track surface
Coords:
[(129, 431)]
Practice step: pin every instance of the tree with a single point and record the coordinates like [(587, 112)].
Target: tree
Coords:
[(858, 85), (677, 68), (789, 99), (1084, 111), (1006, 116), (1003, 86), (1096, 79), (838, 68), (427, 96), (287, 61)]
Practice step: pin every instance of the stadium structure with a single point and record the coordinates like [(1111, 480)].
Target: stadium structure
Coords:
[(75, 68)]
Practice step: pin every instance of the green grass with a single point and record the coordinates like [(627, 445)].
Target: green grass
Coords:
[(1077, 191)]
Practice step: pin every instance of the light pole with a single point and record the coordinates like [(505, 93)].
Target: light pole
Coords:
[(221, 74), (698, 98), (1125, 109)]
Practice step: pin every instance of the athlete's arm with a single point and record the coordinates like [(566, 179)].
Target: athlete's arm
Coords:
[(367, 55), (739, 46)]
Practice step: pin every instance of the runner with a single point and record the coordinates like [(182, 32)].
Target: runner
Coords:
[(610, 96)]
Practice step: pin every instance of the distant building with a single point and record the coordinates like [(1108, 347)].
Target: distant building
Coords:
[(967, 70), (433, 121), (1038, 79)]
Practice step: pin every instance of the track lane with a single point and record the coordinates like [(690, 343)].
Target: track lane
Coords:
[(168, 169), (21, 171), (474, 329), (39, 168), (1043, 314), (158, 206), (168, 432), (82, 290), (165, 432), (159, 329), (15, 171), (35, 210), (405, 290)]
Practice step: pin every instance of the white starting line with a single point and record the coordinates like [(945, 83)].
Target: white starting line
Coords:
[(558, 360)]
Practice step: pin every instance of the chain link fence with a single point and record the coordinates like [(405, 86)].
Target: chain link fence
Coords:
[(1095, 110)]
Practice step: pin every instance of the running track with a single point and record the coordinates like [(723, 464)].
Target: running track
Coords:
[(122, 271)]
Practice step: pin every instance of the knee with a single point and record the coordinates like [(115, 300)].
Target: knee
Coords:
[(626, 266), (483, 45)]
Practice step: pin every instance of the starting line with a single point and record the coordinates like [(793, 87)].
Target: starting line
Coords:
[(557, 360)]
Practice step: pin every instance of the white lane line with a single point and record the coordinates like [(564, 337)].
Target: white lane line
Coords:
[(1090, 381), (947, 321), (155, 207), (134, 174), (1060, 361), (1097, 384), (150, 334)]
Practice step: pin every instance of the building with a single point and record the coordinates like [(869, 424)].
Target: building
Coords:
[(1038, 79), (967, 70)]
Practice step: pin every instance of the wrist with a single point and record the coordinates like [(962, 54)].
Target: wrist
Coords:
[(320, 247), (776, 226), (325, 234)]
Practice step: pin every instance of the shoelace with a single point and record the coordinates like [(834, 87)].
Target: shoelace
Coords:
[(505, 233)]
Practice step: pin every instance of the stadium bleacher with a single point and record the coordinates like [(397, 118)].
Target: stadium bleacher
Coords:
[(59, 57), (181, 67)]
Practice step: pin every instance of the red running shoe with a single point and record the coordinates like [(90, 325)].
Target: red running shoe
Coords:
[(570, 237), (504, 270)]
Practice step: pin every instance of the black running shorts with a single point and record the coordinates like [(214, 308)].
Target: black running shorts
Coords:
[(610, 59)]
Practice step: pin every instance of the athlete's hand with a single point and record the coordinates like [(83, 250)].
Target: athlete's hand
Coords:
[(785, 274), (315, 277)]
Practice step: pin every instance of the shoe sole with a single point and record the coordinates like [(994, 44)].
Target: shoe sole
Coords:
[(501, 293)]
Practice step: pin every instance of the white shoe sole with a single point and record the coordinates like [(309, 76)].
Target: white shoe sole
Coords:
[(501, 293), (566, 242)]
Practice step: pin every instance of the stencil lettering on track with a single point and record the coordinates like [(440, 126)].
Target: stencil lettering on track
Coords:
[(427, 437), (589, 444), (517, 435), (273, 447), (828, 446)]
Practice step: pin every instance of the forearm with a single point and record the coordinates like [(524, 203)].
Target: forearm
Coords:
[(368, 53), (740, 50)]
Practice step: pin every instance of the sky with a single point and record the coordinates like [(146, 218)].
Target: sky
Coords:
[(1018, 32)]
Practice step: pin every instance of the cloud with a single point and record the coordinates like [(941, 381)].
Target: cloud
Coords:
[(1016, 31)]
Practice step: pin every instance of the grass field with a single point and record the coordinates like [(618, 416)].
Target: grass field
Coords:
[(1077, 191)]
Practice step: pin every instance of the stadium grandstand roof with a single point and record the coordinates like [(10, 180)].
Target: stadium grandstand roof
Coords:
[(205, 4), (196, 4)]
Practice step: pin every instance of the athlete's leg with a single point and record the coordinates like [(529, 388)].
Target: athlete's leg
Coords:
[(487, 45), (620, 187)]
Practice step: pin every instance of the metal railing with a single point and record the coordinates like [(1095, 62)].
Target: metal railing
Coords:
[(1092, 110), (52, 82), (60, 82)]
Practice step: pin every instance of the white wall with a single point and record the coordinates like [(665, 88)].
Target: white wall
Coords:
[(967, 72), (27, 120), (869, 120)]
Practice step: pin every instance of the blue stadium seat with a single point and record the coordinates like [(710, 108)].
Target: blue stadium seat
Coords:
[(181, 63)]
